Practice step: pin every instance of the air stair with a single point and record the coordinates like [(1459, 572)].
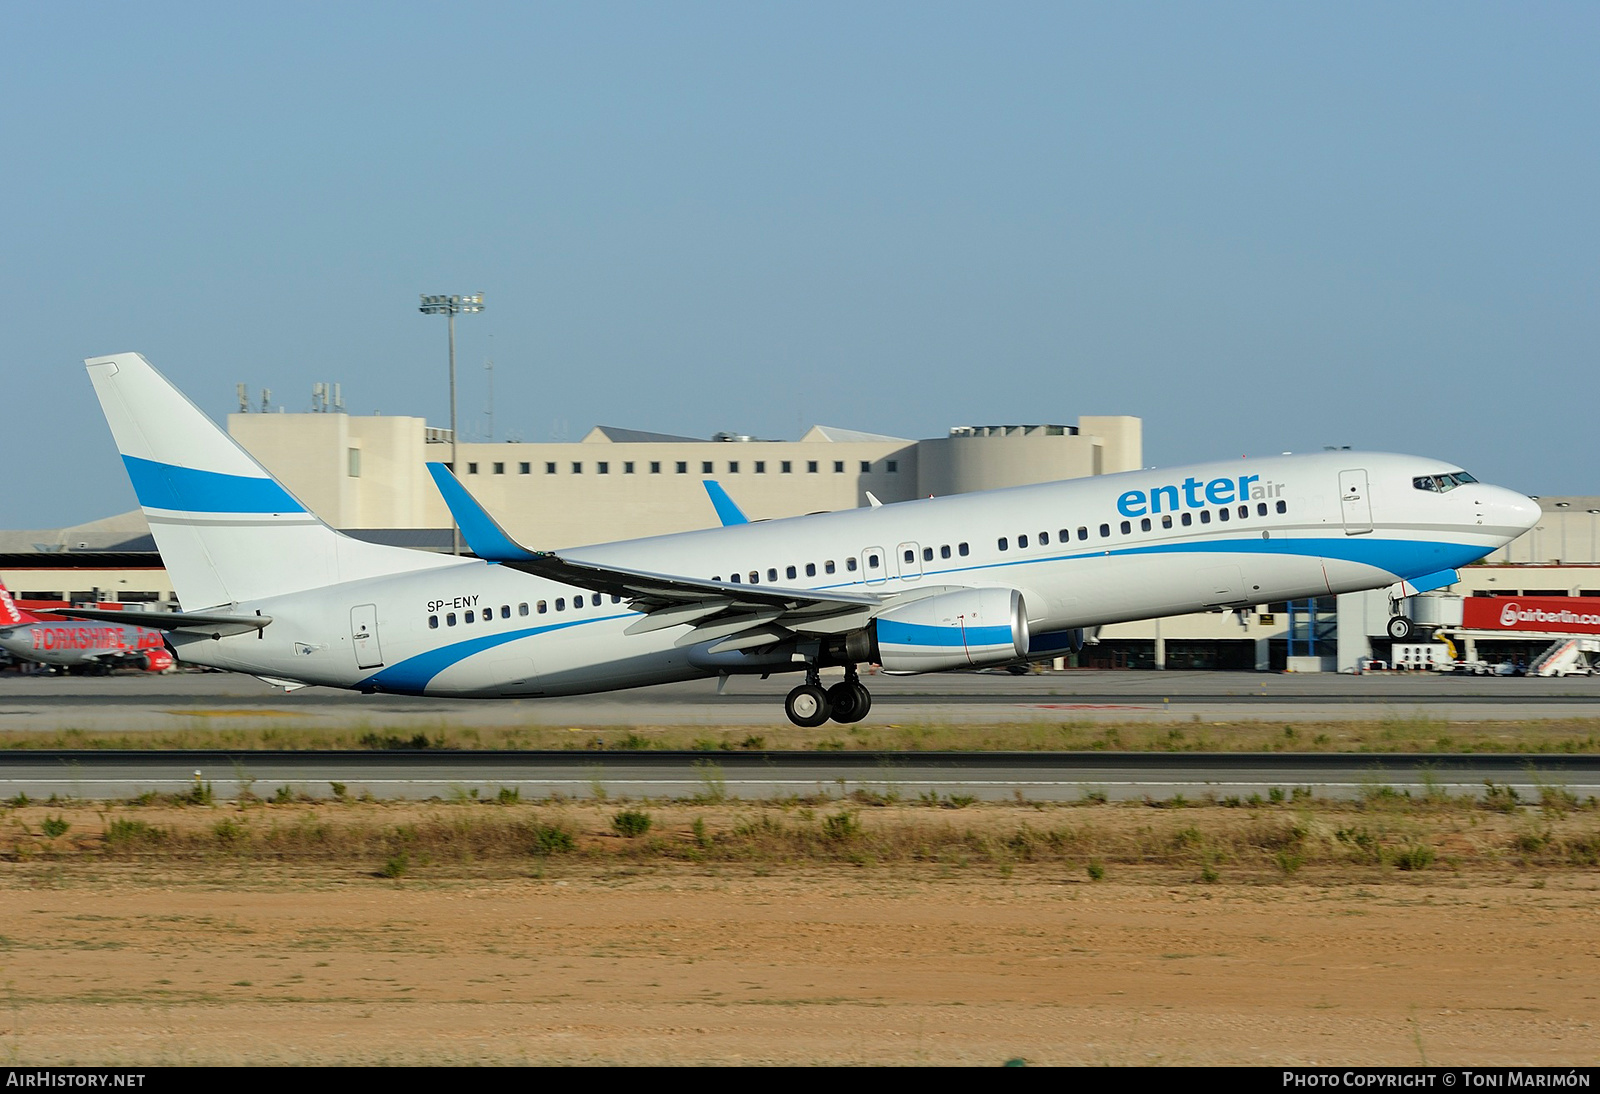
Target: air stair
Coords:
[(1565, 657)]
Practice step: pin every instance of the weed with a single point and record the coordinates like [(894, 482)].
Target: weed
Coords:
[(283, 795), (1289, 862), (1208, 874), (635, 742), (713, 784), (199, 794), (391, 742), (1499, 797), (508, 795), (753, 743), (128, 835), (397, 865), (1416, 857), (1275, 794), (1096, 871), (553, 839), (631, 823), (55, 826), (702, 839), (1096, 795), (841, 827), (341, 792), (228, 832)]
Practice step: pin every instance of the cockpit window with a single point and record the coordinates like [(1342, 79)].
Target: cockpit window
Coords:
[(1441, 483)]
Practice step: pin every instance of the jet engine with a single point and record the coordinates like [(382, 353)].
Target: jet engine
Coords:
[(960, 629)]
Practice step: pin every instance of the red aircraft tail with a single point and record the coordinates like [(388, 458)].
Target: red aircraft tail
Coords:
[(10, 614)]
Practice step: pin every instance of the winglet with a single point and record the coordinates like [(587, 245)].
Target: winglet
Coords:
[(872, 500), (727, 511), (483, 534)]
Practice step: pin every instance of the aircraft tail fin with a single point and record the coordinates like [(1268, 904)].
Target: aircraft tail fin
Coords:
[(228, 531), (10, 614)]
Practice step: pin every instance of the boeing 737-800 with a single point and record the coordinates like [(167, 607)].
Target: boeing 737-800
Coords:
[(920, 586)]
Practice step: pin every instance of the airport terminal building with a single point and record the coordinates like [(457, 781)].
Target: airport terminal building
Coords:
[(368, 476)]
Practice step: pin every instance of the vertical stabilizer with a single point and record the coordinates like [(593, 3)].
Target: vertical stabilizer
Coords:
[(10, 614), (227, 530)]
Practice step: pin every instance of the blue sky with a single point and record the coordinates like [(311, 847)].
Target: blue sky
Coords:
[(1260, 227)]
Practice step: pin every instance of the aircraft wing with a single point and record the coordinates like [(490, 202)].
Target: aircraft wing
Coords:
[(216, 624), (666, 599)]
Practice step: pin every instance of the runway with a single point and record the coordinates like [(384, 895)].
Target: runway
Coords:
[(947, 777), (145, 702)]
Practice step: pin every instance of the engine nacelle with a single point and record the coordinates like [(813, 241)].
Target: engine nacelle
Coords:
[(157, 660), (968, 628)]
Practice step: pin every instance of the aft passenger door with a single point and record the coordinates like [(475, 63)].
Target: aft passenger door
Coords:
[(1354, 501), (364, 636)]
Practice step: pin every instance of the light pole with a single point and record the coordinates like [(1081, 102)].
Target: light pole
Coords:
[(451, 306)]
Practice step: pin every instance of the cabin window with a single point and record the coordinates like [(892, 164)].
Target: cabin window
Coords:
[(927, 554), (1166, 520), (561, 603), (828, 566), (963, 550), (1187, 519), (1261, 509), (850, 564), (1022, 541), (542, 607), (450, 620), (1127, 527), (1044, 539), (944, 552), (1205, 516), (811, 569), (755, 577), (791, 573), (433, 622), (1283, 507), (1244, 512), (1144, 525), (872, 562), (1222, 514), (468, 617), (1003, 543), (734, 577), (1083, 532), (505, 611), (772, 576), (522, 609), (1105, 530), (911, 556), (577, 601)]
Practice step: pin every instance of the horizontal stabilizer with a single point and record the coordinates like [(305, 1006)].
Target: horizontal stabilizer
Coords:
[(216, 624)]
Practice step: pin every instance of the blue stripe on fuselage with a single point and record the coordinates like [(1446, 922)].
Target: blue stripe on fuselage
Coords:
[(414, 674), (185, 489)]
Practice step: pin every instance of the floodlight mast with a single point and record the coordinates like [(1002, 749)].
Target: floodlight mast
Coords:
[(451, 306)]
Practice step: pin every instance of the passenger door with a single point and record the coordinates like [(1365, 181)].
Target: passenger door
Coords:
[(1354, 501), (364, 636)]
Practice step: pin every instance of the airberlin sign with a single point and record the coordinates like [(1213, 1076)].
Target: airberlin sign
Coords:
[(1547, 614)]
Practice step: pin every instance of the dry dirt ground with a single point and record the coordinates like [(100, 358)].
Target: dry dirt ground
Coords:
[(623, 951)]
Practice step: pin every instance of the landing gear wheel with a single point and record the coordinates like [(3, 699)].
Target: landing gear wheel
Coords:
[(807, 706), (1399, 628), (850, 701)]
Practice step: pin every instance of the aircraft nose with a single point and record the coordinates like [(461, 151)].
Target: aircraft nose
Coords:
[(1514, 510)]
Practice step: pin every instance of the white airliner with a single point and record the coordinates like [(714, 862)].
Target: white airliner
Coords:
[(918, 586)]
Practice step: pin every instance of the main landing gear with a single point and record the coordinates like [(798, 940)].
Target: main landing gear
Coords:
[(809, 705)]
